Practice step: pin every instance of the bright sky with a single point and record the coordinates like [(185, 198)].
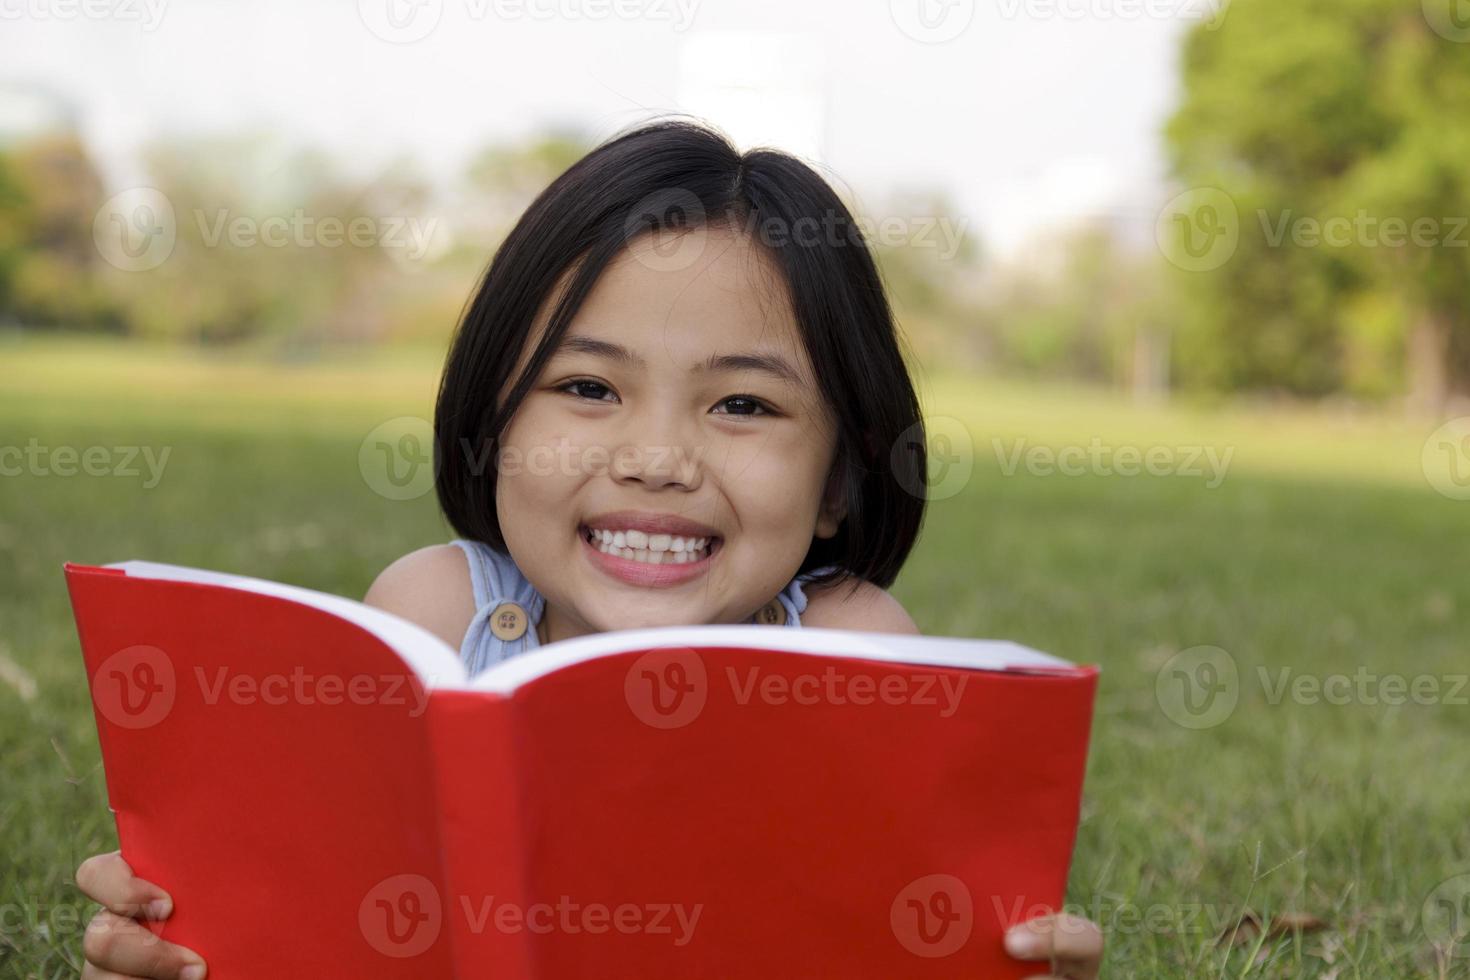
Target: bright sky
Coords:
[(1028, 112)]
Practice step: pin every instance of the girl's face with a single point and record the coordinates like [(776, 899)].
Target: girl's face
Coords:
[(636, 413)]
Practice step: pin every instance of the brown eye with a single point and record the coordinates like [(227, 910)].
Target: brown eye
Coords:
[(747, 406), (586, 390)]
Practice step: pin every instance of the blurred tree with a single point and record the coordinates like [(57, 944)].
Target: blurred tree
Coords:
[(930, 263), (1315, 115), (50, 192), (1080, 305), (271, 243), (13, 223), (502, 179)]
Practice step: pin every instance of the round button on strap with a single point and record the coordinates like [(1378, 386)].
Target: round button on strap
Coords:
[(508, 621)]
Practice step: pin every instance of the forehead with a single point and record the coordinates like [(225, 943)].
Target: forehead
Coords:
[(680, 300)]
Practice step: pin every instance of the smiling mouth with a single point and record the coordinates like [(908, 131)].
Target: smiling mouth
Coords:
[(652, 549)]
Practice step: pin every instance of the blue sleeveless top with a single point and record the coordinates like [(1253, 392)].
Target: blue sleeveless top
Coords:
[(497, 580)]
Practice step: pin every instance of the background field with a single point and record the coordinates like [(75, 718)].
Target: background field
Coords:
[(1323, 550)]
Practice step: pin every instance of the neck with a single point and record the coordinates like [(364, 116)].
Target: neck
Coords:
[(554, 627)]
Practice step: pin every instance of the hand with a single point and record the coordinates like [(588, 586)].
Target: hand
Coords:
[(1072, 945), (116, 945)]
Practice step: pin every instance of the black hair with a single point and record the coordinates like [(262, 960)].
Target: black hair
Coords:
[(673, 175)]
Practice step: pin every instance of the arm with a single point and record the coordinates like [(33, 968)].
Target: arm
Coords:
[(836, 606), (431, 588)]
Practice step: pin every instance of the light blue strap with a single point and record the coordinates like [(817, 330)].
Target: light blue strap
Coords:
[(496, 579), (793, 597)]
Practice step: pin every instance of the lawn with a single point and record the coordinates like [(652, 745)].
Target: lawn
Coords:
[(1320, 562)]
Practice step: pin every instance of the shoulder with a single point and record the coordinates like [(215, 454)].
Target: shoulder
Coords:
[(870, 608), (430, 587)]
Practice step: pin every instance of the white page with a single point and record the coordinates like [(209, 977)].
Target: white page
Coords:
[(428, 656), (438, 665), (928, 651)]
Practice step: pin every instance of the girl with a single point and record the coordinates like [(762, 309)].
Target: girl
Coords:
[(677, 397)]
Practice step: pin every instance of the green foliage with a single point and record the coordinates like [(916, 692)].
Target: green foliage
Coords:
[(1076, 311), (1309, 111), (49, 270)]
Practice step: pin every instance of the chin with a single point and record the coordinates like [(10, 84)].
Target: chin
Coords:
[(645, 619)]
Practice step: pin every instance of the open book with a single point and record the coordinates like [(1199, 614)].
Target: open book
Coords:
[(325, 793)]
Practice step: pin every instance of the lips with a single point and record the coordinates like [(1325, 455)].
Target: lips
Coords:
[(651, 523)]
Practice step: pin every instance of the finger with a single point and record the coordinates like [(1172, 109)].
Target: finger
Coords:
[(108, 880), (1072, 945), (90, 972), (1075, 939), (118, 944)]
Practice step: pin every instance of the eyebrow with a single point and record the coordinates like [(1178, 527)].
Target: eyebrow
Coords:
[(763, 361)]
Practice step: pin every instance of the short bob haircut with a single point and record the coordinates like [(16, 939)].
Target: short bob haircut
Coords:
[(670, 175)]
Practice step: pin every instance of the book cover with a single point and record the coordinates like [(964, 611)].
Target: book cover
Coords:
[(325, 793)]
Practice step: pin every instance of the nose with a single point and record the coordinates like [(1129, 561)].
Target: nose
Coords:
[(660, 452)]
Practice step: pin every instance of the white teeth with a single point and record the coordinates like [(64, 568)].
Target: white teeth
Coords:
[(654, 549)]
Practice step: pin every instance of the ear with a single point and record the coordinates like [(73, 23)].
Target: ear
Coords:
[(834, 506)]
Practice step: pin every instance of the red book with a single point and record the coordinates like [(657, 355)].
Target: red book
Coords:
[(326, 794)]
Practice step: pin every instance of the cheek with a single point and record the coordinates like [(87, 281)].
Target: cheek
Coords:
[(535, 480), (775, 490)]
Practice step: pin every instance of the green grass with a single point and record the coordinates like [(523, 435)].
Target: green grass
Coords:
[(1323, 550)]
